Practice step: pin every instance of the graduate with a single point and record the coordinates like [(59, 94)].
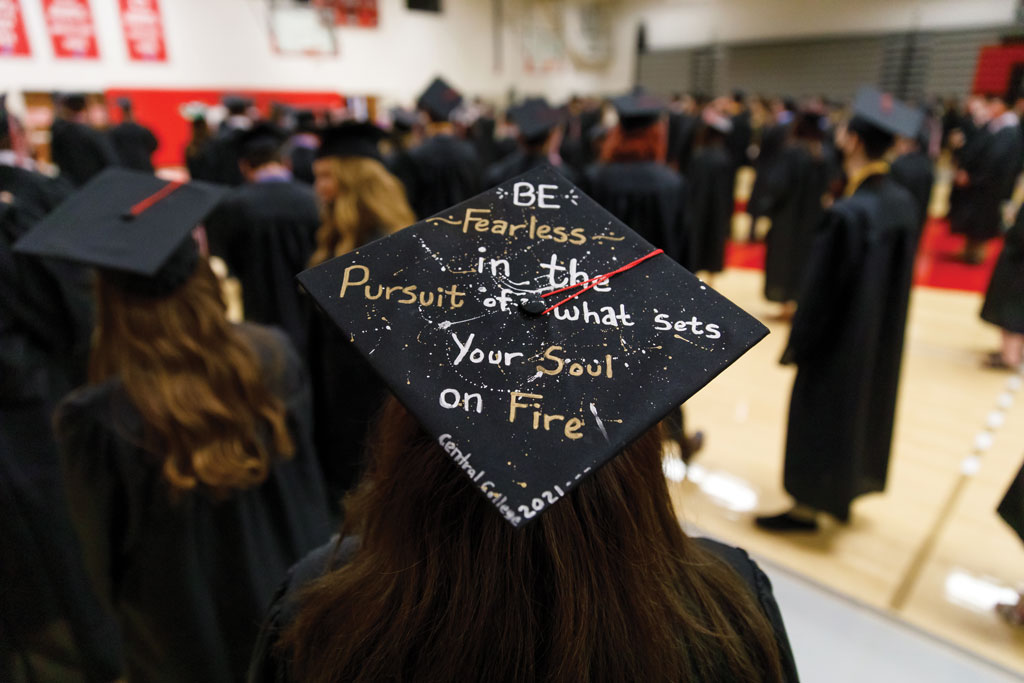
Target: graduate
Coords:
[(221, 153), (683, 121), (515, 523), (445, 169), (187, 456), (988, 168), (791, 196), (361, 202), (540, 128), (265, 230), (847, 335), (135, 144), (632, 181), (300, 150), (913, 169), (774, 136), (710, 203), (51, 622), (742, 133), (76, 148), (1004, 300)]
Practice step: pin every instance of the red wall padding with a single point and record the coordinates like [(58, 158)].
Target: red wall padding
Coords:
[(995, 65), (159, 111)]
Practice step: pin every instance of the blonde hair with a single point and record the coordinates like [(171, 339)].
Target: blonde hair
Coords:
[(370, 202)]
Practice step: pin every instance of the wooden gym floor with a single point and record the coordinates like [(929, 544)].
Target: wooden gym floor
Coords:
[(929, 550)]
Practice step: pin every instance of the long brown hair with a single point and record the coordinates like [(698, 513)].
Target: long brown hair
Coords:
[(196, 382), (648, 143), (604, 586), (370, 202)]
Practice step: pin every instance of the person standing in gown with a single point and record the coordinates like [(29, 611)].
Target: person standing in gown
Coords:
[(989, 165), (683, 122), (710, 203), (539, 127), (847, 334), (445, 169), (265, 231), (914, 170), (52, 626), (301, 147), (135, 144), (76, 148), (742, 133), (774, 136), (360, 201), (187, 457), (222, 150), (1004, 300), (792, 196)]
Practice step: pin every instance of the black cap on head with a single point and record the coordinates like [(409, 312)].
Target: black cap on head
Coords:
[(74, 101), (351, 140), (124, 104), (483, 322), (133, 225), (305, 121), (261, 142), (886, 113), (535, 119), (236, 104), (638, 109), (403, 120), (439, 100)]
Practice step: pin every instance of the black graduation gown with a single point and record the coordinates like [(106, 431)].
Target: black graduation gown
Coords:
[(301, 162), (135, 145), (34, 192), (221, 158), (1004, 300), (847, 343), (266, 232), (519, 162), (648, 197), (773, 142), (347, 394), (709, 209), (268, 666), (188, 580), (682, 131), (738, 140), (1011, 507), (444, 171), (791, 196), (80, 151), (915, 172), (992, 161), (45, 325)]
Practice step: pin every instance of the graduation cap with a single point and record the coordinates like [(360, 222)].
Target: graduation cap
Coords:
[(261, 138), (886, 113), (75, 101), (535, 118), (531, 333), (134, 226), (351, 140), (439, 100), (305, 120), (124, 103), (236, 104), (638, 108)]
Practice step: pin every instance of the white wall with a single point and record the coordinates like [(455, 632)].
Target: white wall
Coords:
[(681, 23), (224, 44)]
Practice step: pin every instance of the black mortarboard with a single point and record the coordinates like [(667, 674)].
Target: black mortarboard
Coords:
[(439, 100), (124, 104), (535, 118), (351, 140), (75, 101), (638, 108), (403, 120), (262, 136), (525, 388), (305, 120), (885, 112), (133, 225), (236, 103)]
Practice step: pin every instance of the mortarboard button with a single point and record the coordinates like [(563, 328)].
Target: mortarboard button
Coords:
[(531, 333)]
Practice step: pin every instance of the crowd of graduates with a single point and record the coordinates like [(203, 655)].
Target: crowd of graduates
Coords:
[(192, 461)]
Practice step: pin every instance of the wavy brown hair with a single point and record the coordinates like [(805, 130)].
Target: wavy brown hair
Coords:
[(370, 202), (195, 380), (603, 587), (648, 143)]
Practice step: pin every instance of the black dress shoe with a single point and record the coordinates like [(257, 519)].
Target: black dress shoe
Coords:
[(787, 521)]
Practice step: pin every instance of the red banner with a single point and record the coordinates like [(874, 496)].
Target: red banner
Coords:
[(13, 41), (143, 30), (69, 23)]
